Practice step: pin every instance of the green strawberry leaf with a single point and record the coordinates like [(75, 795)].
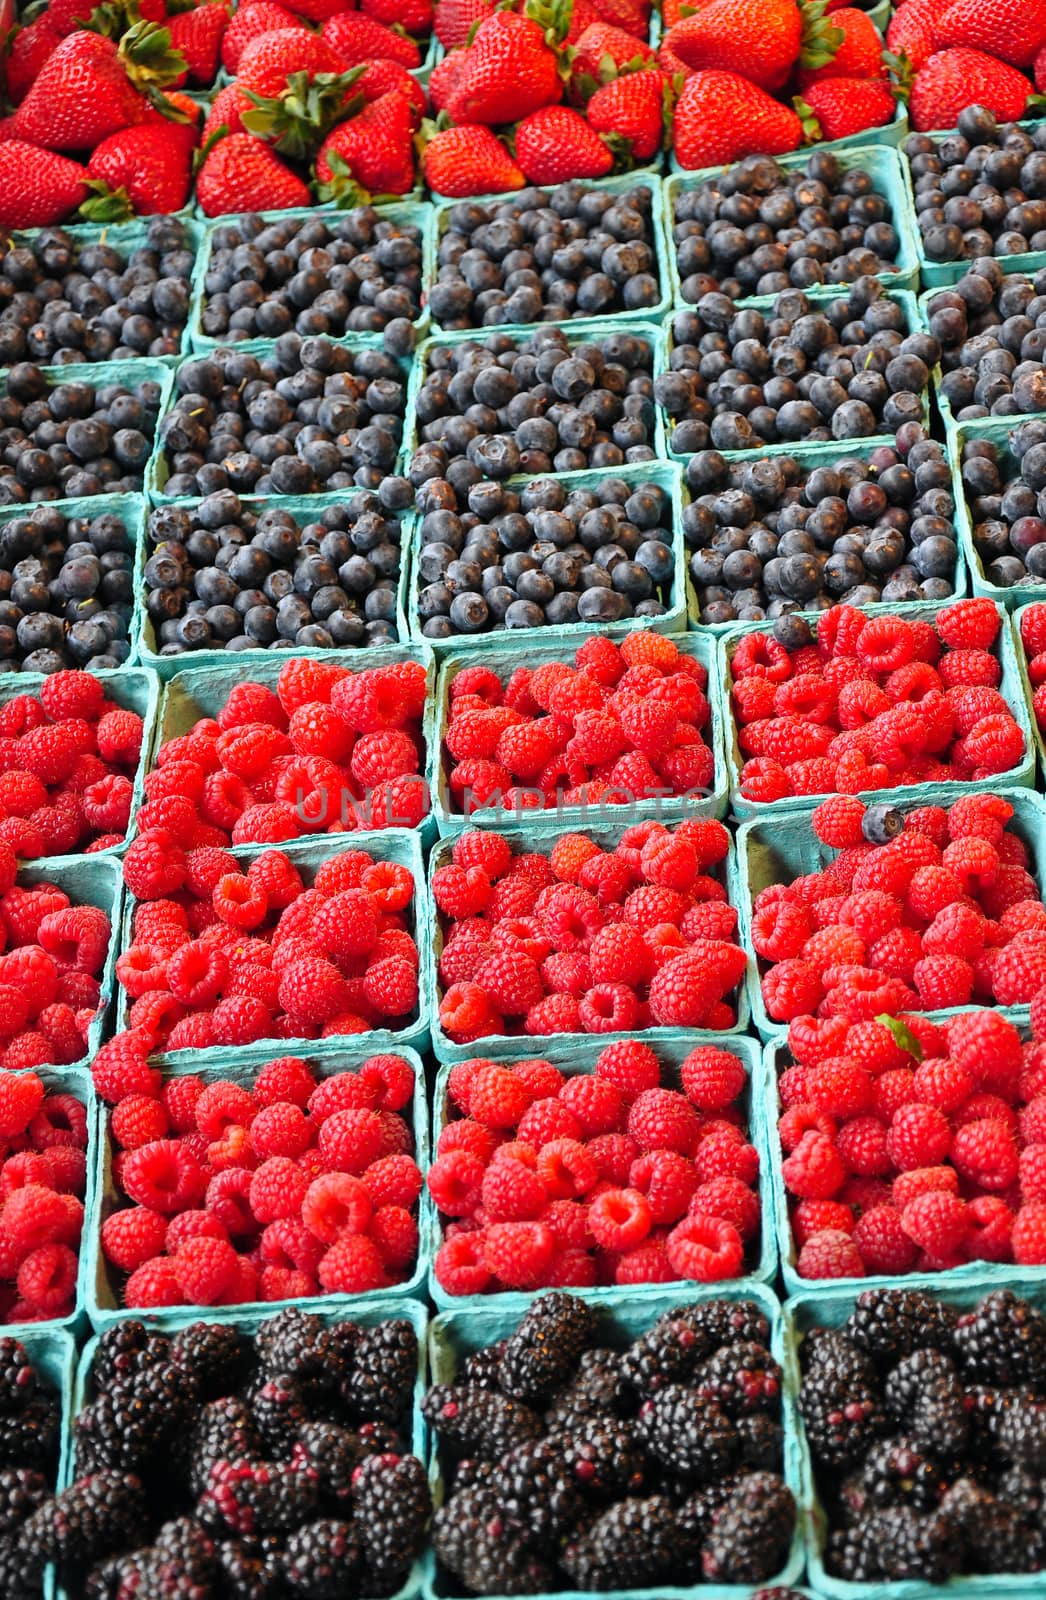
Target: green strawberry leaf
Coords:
[(296, 122), (341, 188), (215, 137), (901, 74), (808, 117), (621, 150), (821, 39), (148, 59), (903, 1036), (107, 205)]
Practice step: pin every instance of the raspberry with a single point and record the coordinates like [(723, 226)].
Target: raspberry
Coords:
[(206, 1270), (32, 1216), (518, 1254), (608, 1008), (668, 1181), (132, 1237), (1019, 970), (943, 980), (619, 1219), (1028, 1238), (837, 821), (706, 1248), (138, 1120), (968, 624), (662, 1119), (815, 1216), (77, 938), (352, 1265), (335, 1203), (937, 1222), (985, 1153), (792, 989), (154, 865), (163, 1176), (919, 1136), (312, 991), (350, 1140), (830, 1254), (511, 1192), (597, 1104), (455, 1180), (814, 1170)]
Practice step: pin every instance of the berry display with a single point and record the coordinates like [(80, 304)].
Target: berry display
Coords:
[(546, 256), (1002, 483), (761, 228), (980, 191), (69, 602), (871, 703), (921, 1465), (803, 370), (67, 301), (651, 1485), (585, 734), (989, 331), (355, 273), (318, 416), (771, 536), (638, 1173), (545, 555), (73, 439), (533, 942)]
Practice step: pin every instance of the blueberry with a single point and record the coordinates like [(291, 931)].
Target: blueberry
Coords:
[(882, 823)]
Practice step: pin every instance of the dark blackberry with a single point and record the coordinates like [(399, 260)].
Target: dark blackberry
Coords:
[(251, 1569), (296, 1342), (277, 1405), (223, 1429), (914, 1546), (750, 1536), (831, 1348), (115, 1578), (180, 1565), (605, 1456), (689, 1435), (29, 1438), (545, 1347), (377, 1439), (471, 1474), (762, 1442), (483, 1367), (334, 1454), (257, 1497), (665, 1354), (853, 1554), (322, 1560), (741, 1379), (695, 1515), (1002, 1341), (393, 1507), (843, 1417), (899, 1472), (381, 1384), (96, 1515), (888, 1324), (536, 1489), (134, 1419), (924, 1393), (18, 1381), (998, 1537), (213, 1353), (598, 1388), (722, 1322), (123, 1349), (21, 1491), (1021, 1435), (486, 1554), (478, 1422), (634, 1544)]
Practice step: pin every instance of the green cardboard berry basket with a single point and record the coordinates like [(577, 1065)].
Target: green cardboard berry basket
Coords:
[(873, 154), (53, 1354), (199, 692), (996, 430), (780, 849), (449, 821), (142, 369), (1011, 687), (408, 213), (396, 845), (327, 1057), (641, 178), (338, 1309), (667, 476), (579, 1059), (130, 508), (1027, 686), (810, 456), (523, 840), (304, 509), (827, 1309), (902, 297), (132, 688), (623, 1316)]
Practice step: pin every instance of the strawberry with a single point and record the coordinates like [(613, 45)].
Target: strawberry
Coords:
[(445, 77), (372, 151), (81, 95), (1039, 70), (388, 77), (632, 15), (454, 20), (240, 173), (225, 111), (858, 53), (1013, 30), (952, 79), (30, 47), (198, 35), (602, 51), (721, 117), (250, 22), (510, 71), (634, 109), (470, 160), (760, 39), (37, 188), (836, 108), (145, 171), (268, 62), (173, 109), (317, 10), (556, 144), (415, 16), (913, 30), (357, 39), (583, 14), (669, 62)]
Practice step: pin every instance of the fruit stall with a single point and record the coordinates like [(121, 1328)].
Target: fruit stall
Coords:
[(522, 799)]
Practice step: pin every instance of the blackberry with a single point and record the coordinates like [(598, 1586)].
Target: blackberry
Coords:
[(1024, 1490), (689, 1434), (605, 1456), (322, 1560), (853, 1554), (486, 1554), (832, 1348), (482, 1368), (114, 1578), (277, 1405), (96, 1515), (213, 1353), (695, 1516), (912, 1546), (545, 1347), (251, 1569), (899, 1472), (393, 1507), (29, 1438), (665, 1354), (1002, 1341), (377, 1439), (762, 1441), (478, 1422), (1021, 1435), (124, 1430), (889, 1324), (742, 1379), (294, 1341), (224, 1428), (842, 1416), (123, 1349), (998, 1538), (536, 1489), (18, 1382), (924, 1392), (21, 1491), (750, 1536), (181, 1565), (334, 1454), (598, 1388), (381, 1384), (722, 1322), (257, 1497), (634, 1544)]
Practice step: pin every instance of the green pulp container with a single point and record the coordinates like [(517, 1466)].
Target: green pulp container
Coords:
[(996, 430)]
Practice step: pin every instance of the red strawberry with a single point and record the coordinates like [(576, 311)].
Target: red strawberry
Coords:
[(250, 22), (268, 62), (759, 39), (470, 160), (145, 171), (1013, 30), (952, 79), (634, 108), (601, 46), (184, 114), (454, 19), (375, 150), (445, 77), (242, 174), (582, 16), (721, 117), (198, 35), (510, 71), (82, 94), (357, 39), (1040, 70), (556, 144), (913, 30), (37, 188), (224, 113), (31, 46), (671, 63), (415, 16), (388, 77), (837, 108), (317, 10), (857, 53), (632, 15)]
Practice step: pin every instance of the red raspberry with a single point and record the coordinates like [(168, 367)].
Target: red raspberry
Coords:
[(884, 1244), (132, 1237), (518, 1254), (815, 1216), (792, 989), (830, 1254), (488, 851), (393, 1180), (668, 1181), (919, 1136), (662, 1119), (119, 736), (511, 1191), (352, 1265), (937, 1222), (712, 1078), (968, 624), (861, 1143), (455, 1180), (706, 1248), (837, 821), (335, 1203), (154, 866), (943, 980), (163, 1176), (312, 992), (608, 1008), (138, 1120), (630, 1066), (1029, 1236), (814, 1171), (1019, 970), (619, 1219)]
